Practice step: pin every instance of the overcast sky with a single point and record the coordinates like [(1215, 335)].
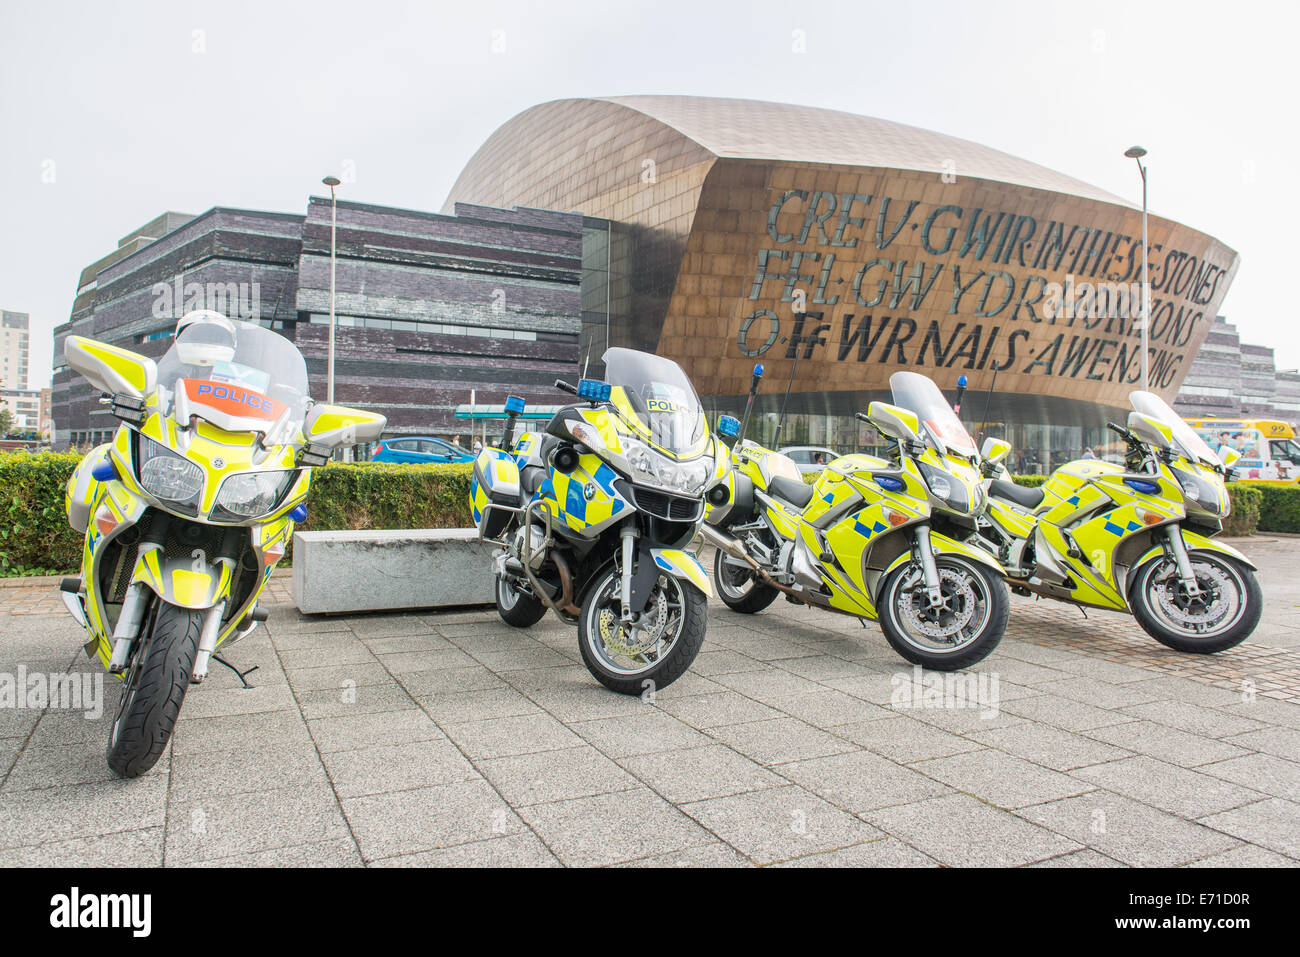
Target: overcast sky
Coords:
[(135, 108)]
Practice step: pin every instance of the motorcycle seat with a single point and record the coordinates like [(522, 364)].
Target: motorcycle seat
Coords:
[(794, 491), (1029, 498)]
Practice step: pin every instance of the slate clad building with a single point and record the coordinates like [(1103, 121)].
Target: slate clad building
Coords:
[(745, 231), (429, 306), (1231, 379)]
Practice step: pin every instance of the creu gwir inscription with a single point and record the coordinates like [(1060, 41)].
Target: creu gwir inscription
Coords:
[(1080, 278)]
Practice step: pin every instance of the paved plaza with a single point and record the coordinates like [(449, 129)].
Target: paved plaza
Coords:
[(798, 738)]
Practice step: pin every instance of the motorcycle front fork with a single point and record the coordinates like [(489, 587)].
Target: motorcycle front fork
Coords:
[(628, 535), (924, 553), (1177, 549), (127, 627)]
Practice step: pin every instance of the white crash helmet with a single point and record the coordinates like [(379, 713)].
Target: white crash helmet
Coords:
[(209, 338)]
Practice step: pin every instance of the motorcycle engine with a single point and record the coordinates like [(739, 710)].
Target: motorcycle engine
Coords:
[(536, 546)]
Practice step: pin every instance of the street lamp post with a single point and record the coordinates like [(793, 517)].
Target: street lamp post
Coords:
[(331, 182), (1136, 153)]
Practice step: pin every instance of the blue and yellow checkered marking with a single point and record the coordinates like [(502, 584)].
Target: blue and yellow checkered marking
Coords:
[(867, 532), (604, 477), (1121, 529)]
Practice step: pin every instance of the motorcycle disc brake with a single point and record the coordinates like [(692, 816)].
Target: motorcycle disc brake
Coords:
[(643, 636)]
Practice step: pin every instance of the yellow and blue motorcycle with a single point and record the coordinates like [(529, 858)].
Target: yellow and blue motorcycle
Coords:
[(876, 538), (189, 507), (593, 518), (1135, 537)]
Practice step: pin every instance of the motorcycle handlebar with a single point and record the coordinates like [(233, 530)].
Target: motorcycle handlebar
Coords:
[(862, 417), (1124, 433), (565, 387)]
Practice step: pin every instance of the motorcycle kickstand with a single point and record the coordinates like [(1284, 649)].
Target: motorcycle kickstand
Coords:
[(239, 674)]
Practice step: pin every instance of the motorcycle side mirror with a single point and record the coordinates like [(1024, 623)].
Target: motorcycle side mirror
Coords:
[(728, 426), (995, 450), (1229, 456), (894, 421), (334, 426), (1151, 430), (115, 371)]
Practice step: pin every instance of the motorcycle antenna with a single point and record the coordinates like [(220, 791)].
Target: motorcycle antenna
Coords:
[(984, 423), (749, 403), (780, 419)]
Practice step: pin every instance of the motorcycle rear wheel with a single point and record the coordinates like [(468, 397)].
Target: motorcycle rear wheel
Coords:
[(739, 590), (515, 608), (153, 690)]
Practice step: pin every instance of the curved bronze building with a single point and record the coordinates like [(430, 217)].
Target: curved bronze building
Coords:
[(836, 249)]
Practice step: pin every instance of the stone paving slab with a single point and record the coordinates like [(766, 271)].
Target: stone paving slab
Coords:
[(432, 739)]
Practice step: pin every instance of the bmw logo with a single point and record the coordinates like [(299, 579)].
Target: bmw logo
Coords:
[(589, 490)]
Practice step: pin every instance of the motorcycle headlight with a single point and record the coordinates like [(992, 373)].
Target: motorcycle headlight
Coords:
[(250, 494), (168, 476), (686, 478), (1200, 493), (946, 487)]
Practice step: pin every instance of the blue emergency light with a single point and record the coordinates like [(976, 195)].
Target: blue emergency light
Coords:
[(594, 390)]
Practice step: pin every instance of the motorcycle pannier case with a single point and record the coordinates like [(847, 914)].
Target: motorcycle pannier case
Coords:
[(496, 482)]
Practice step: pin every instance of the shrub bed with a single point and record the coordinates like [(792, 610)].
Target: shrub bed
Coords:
[(35, 538)]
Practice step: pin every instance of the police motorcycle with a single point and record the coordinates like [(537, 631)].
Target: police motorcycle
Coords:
[(189, 507), (1135, 537), (593, 517), (876, 538)]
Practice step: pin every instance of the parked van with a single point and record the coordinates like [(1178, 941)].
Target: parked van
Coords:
[(1268, 447)]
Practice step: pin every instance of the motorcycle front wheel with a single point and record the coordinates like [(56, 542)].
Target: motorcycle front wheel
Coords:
[(153, 690), (1223, 615), (961, 629), (657, 650)]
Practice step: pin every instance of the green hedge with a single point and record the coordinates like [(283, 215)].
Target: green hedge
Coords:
[(1279, 508), (1245, 515), (35, 538)]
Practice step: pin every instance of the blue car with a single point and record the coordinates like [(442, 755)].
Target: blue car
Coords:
[(420, 449)]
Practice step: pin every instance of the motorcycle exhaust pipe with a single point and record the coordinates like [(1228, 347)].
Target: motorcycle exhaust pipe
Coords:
[(732, 546), (565, 601)]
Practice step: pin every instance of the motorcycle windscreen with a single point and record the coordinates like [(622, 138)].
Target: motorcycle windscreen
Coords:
[(237, 375), (658, 401), (1185, 438), (939, 423)]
